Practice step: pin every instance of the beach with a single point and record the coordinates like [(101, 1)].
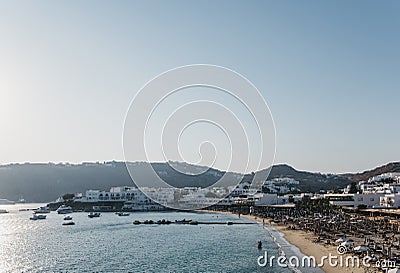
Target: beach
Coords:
[(304, 242)]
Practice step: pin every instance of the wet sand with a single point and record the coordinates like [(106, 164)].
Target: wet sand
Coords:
[(303, 241)]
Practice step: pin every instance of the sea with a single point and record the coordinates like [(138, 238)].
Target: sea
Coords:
[(111, 243)]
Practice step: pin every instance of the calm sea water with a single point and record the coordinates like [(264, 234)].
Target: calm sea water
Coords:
[(113, 244)]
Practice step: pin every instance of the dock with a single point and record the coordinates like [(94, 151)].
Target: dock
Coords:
[(190, 222)]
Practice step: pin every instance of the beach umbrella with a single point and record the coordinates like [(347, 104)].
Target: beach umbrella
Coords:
[(361, 248), (348, 243), (341, 240)]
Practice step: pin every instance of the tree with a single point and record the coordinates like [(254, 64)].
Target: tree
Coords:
[(68, 196), (353, 188)]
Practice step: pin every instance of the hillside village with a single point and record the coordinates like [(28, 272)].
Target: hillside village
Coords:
[(382, 191)]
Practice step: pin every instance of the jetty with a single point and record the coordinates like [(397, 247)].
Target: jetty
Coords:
[(190, 222)]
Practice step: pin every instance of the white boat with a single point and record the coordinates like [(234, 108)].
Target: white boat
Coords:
[(94, 214), (42, 210), (69, 223), (67, 218), (3, 211), (6, 202), (37, 217), (63, 209), (123, 214)]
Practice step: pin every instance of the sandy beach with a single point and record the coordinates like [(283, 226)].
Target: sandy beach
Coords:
[(303, 241)]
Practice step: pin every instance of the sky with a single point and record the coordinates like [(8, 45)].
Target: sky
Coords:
[(329, 72)]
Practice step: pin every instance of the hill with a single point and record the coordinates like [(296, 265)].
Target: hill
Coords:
[(392, 167), (46, 182), (310, 182)]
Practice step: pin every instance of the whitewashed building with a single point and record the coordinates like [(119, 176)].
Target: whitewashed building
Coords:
[(124, 193), (390, 201), (243, 189), (281, 185), (354, 199), (386, 176)]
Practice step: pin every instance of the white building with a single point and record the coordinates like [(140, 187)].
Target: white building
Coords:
[(390, 201), (386, 176), (354, 199), (243, 189), (124, 193), (266, 199), (281, 185)]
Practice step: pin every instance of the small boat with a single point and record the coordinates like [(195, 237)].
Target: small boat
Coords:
[(163, 222), (94, 214), (136, 222), (182, 222), (193, 223), (63, 209), (148, 222), (3, 211), (67, 218), (123, 214), (42, 210), (6, 202), (69, 223), (37, 217)]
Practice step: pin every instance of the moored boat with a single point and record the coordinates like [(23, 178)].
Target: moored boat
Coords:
[(183, 221), (67, 218), (94, 214), (37, 217), (163, 222), (123, 214), (63, 209), (6, 202), (42, 210), (69, 223)]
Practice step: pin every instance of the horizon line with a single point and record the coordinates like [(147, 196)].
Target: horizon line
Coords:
[(182, 162)]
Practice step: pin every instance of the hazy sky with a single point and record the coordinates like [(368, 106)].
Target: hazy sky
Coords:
[(330, 72)]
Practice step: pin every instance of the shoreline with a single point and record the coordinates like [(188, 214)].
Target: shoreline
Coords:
[(303, 242)]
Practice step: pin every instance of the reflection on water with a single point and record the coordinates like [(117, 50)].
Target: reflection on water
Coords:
[(113, 244)]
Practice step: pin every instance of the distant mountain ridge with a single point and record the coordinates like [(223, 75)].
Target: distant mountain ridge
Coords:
[(46, 182), (392, 167)]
